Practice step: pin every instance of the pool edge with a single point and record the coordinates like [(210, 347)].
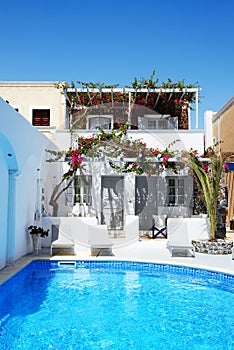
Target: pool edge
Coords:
[(10, 271)]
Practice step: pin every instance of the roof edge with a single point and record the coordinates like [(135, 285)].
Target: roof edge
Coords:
[(223, 109), (27, 83)]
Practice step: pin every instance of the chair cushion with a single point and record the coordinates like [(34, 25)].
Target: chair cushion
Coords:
[(159, 220)]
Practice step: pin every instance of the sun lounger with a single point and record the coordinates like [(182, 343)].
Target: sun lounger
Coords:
[(99, 241), (178, 242), (64, 243), (80, 230)]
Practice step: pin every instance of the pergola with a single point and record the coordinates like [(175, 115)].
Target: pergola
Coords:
[(129, 96)]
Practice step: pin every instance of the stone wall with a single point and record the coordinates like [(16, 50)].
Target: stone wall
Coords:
[(221, 247)]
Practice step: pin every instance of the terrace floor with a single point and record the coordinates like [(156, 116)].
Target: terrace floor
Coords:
[(150, 250)]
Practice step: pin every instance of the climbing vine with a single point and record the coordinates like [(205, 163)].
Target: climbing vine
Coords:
[(87, 101)]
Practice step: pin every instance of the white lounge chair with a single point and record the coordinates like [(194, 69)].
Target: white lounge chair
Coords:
[(80, 230), (65, 242), (178, 240), (99, 241), (131, 228)]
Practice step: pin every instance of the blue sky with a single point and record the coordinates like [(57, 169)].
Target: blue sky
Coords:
[(115, 41)]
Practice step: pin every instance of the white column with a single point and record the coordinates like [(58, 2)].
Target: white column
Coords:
[(64, 111), (208, 128), (196, 110), (10, 256), (129, 110), (37, 218)]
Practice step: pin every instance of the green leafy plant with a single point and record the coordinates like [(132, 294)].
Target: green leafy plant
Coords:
[(208, 169)]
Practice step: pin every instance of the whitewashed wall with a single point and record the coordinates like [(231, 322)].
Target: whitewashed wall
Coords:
[(3, 207), (185, 139), (208, 115), (161, 139), (21, 153)]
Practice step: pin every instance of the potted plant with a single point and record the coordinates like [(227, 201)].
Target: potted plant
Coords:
[(209, 171), (36, 233)]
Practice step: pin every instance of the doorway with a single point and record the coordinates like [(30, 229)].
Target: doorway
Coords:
[(145, 200), (112, 197)]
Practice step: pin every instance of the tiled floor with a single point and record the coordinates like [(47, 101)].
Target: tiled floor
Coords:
[(153, 250)]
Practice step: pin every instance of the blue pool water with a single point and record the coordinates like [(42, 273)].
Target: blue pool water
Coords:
[(116, 305)]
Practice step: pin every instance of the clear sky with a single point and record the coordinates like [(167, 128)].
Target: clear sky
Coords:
[(115, 41)]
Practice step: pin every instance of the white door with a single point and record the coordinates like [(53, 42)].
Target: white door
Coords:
[(145, 200), (112, 202)]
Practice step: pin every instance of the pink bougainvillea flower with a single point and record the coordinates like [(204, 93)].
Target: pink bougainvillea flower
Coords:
[(205, 167), (76, 158), (226, 166), (208, 154), (155, 152), (165, 158)]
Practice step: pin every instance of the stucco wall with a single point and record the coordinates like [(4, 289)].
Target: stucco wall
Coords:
[(34, 95), (216, 131), (223, 126), (227, 130), (185, 139), (22, 149), (208, 128), (3, 206)]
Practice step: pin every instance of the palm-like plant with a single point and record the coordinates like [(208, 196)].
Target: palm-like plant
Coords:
[(208, 173)]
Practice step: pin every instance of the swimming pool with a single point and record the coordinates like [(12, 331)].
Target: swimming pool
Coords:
[(116, 305)]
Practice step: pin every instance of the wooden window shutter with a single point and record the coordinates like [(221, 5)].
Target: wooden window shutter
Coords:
[(41, 117)]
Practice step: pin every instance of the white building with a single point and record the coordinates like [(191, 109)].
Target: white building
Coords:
[(100, 191), (112, 195)]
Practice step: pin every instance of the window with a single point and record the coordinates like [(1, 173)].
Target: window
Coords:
[(175, 191), (82, 189), (152, 124), (157, 122), (41, 117), (104, 122)]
